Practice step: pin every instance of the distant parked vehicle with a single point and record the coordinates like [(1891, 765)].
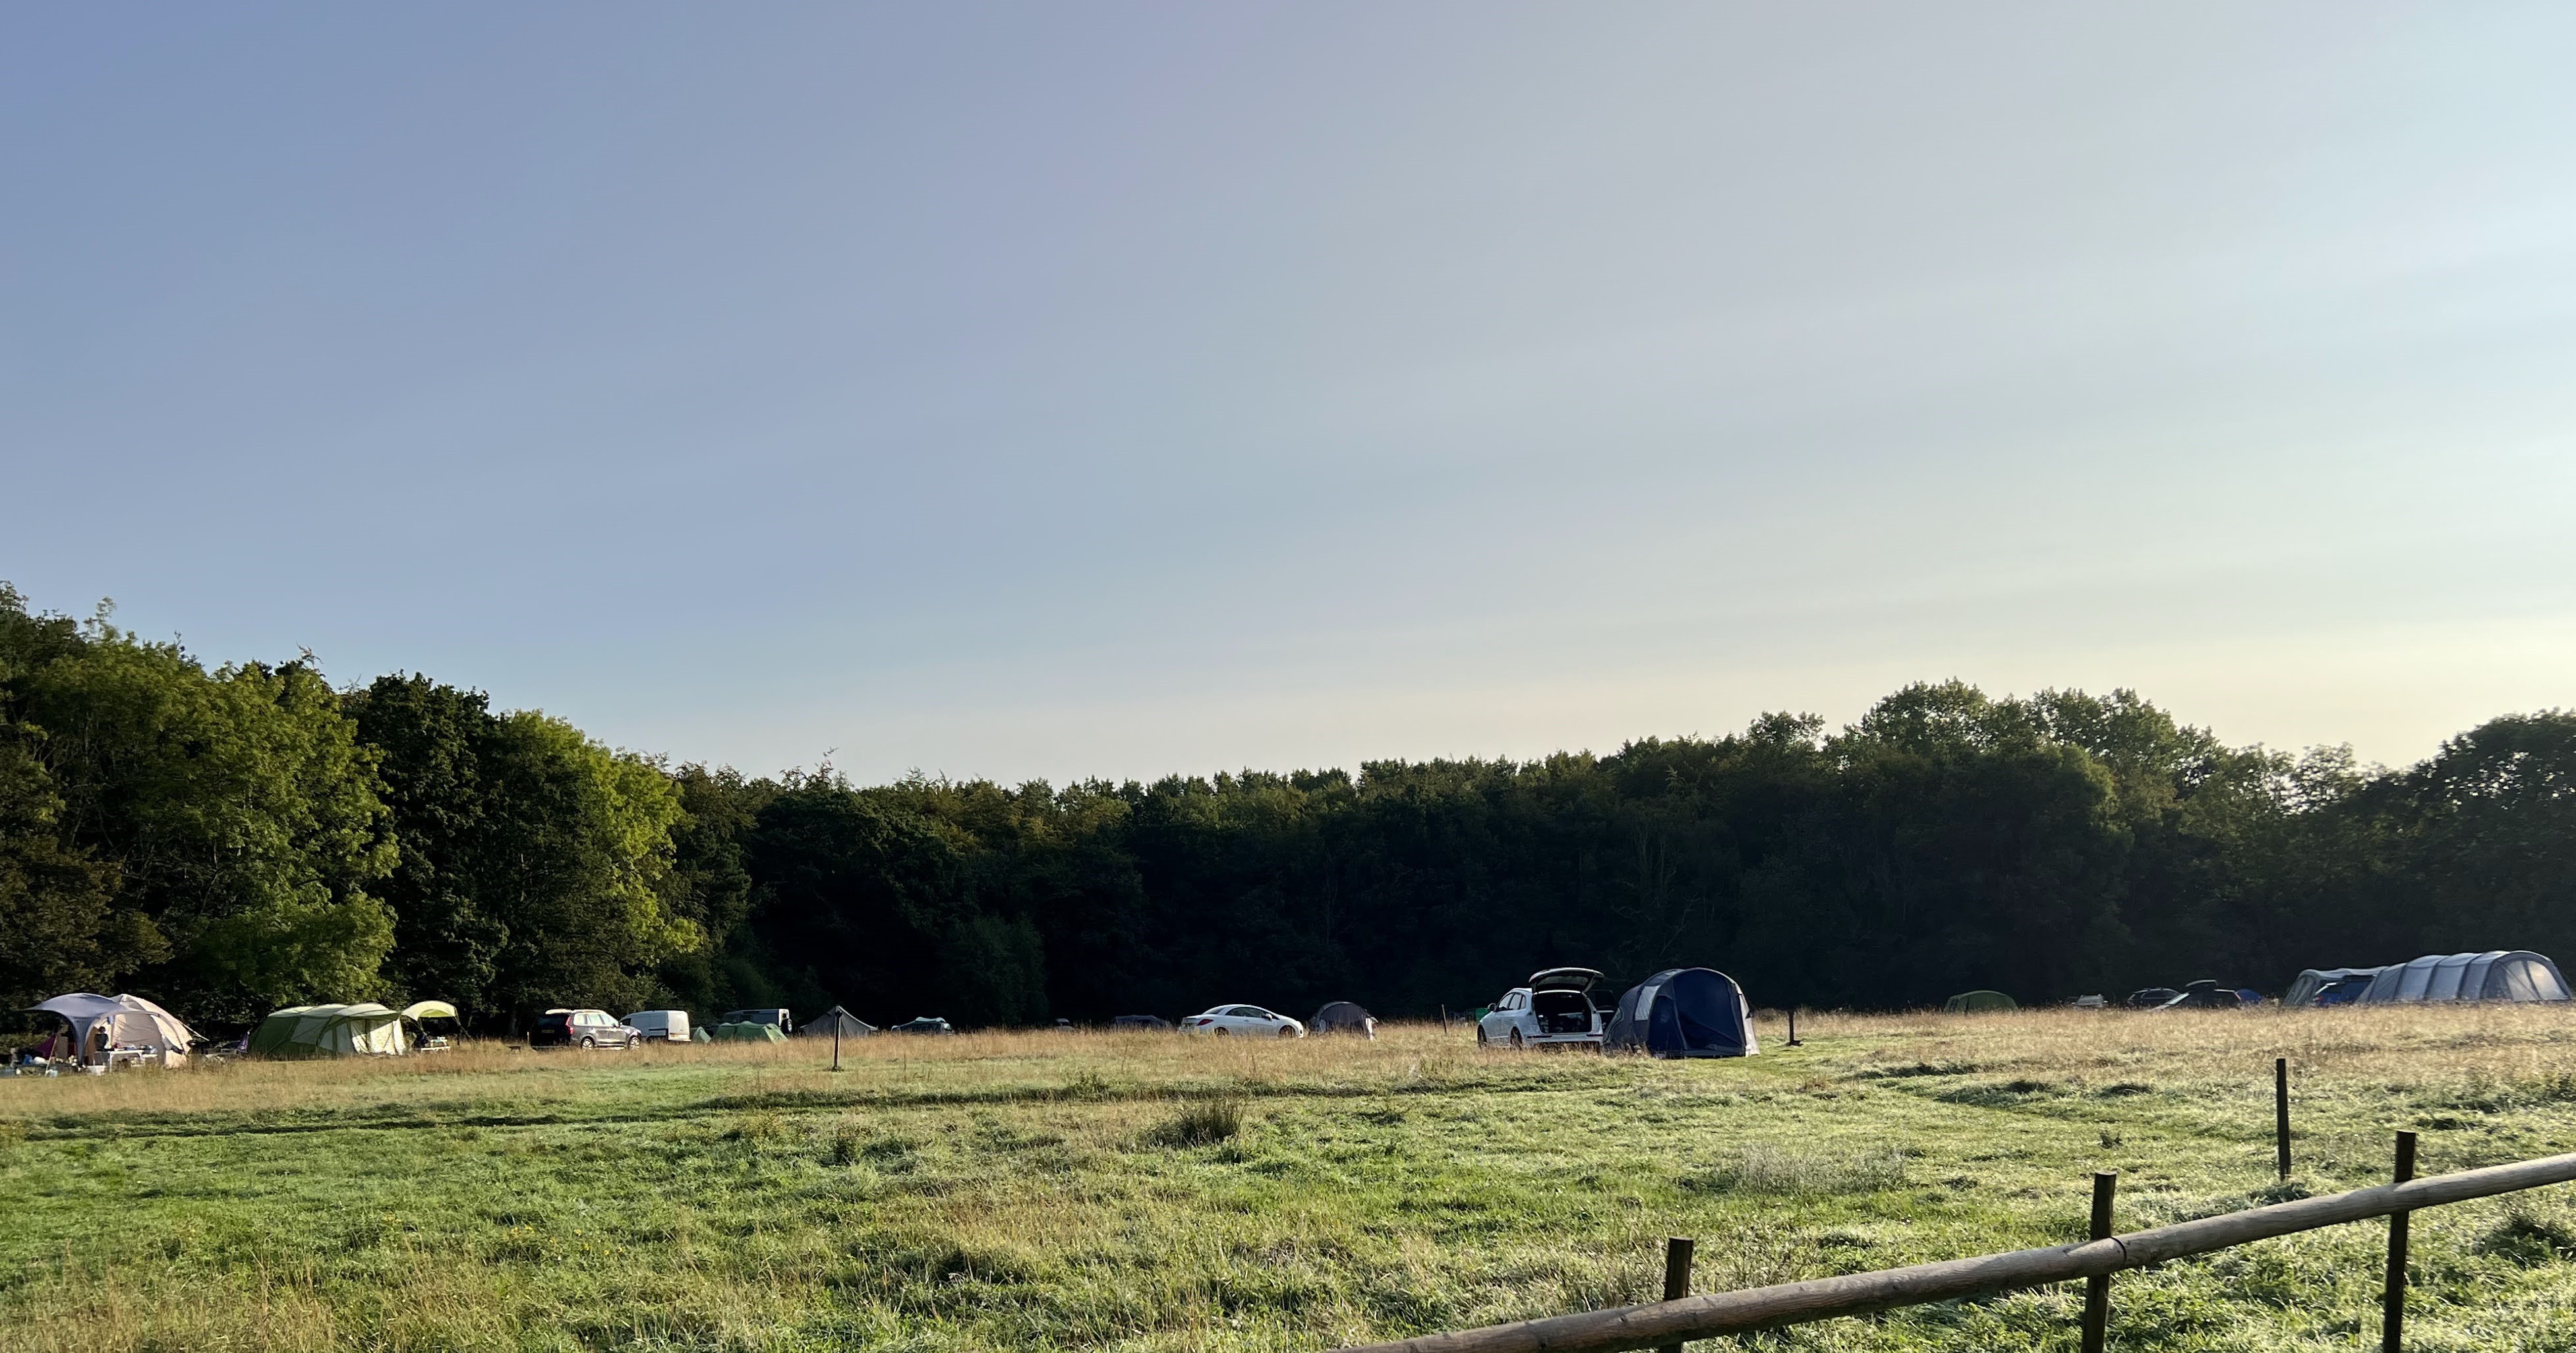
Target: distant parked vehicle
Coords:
[(1140, 1022), (775, 1015), (923, 1024), (1554, 1010), (1250, 1021), (2205, 994), (2148, 998), (582, 1029), (660, 1026)]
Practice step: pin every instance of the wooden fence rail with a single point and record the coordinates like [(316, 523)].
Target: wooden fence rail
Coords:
[(1666, 1323)]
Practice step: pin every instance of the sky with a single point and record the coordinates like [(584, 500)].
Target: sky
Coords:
[(1023, 390)]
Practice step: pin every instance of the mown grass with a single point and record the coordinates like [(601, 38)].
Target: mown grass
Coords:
[(1146, 1192)]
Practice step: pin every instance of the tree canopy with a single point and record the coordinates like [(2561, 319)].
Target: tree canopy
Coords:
[(244, 836)]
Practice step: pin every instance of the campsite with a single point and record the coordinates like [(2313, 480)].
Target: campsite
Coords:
[(1140, 1190)]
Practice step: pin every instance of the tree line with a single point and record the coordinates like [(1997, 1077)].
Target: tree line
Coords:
[(242, 837)]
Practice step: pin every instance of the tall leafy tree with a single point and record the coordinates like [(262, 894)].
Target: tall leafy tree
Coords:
[(237, 807), (534, 862)]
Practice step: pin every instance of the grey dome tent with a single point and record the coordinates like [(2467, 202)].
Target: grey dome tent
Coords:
[(835, 1020), (1972, 1002), (1342, 1017), (2496, 975), (1683, 1012)]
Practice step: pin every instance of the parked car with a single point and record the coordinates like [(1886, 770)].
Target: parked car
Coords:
[(581, 1028), (2149, 998), (2205, 994), (1249, 1021), (923, 1024), (660, 1026), (1554, 1011), (1140, 1022), (775, 1015)]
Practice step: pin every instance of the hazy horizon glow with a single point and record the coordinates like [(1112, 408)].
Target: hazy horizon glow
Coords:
[(1031, 392)]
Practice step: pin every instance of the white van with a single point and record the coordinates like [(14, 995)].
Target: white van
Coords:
[(661, 1026)]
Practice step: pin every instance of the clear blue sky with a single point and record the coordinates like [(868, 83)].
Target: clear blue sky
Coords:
[(1027, 390)]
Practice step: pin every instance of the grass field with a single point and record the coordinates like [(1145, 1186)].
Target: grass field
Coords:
[(1135, 1191)]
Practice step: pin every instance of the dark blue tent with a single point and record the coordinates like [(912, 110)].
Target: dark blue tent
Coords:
[(1683, 1012)]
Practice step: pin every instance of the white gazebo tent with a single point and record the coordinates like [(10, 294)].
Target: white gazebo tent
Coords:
[(121, 1028)]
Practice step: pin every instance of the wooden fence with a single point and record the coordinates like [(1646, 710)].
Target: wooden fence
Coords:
[(1668, 1323)]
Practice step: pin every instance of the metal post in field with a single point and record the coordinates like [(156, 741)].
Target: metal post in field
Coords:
[(2392, 1303), (1793, 1026), (836, 1045), (2281, 1111), (1677, 1275), (2097, 1289)]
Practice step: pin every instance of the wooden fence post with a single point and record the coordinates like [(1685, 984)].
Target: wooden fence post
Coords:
[(2392, 1303), (1793, 1026), (2281, 1110), (1677, 1275), (836, 1045), (2097, 1289)]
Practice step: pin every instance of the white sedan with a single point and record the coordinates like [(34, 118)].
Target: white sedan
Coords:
[(1249, 1021)]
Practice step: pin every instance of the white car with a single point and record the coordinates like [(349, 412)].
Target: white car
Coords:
[(1247, 1021), (1554, 1011)]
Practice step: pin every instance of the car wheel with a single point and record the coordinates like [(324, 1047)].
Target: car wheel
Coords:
[(1222, 1032), (589, 1044), (1286, 1032), (1481, 1040), (1517, 1044)]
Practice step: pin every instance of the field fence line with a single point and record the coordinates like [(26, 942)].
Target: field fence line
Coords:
[(1670, 1322)]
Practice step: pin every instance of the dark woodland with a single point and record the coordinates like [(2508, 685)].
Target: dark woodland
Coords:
[(229, 840)]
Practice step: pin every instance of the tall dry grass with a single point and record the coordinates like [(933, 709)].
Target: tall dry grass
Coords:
[(2393, 1047)]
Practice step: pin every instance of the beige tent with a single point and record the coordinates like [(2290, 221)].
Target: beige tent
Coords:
[(331, 1031), (117, 1028)]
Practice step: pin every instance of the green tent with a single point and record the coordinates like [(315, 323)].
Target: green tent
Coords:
[(746, 1031), (330, 1031), (1973, 1002)]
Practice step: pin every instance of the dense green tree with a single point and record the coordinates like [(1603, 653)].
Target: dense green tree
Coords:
[(866, 901), (431, 740), (236, 806), (535, 864), (2486, 840), (241, 837)]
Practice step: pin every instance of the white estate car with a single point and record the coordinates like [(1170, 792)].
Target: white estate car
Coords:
[(1249, 1021), (1554, 1010)]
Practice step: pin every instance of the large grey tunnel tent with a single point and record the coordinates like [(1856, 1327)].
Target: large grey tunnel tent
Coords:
[(2303, 990), (2496, 975), (1683, 1012)]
